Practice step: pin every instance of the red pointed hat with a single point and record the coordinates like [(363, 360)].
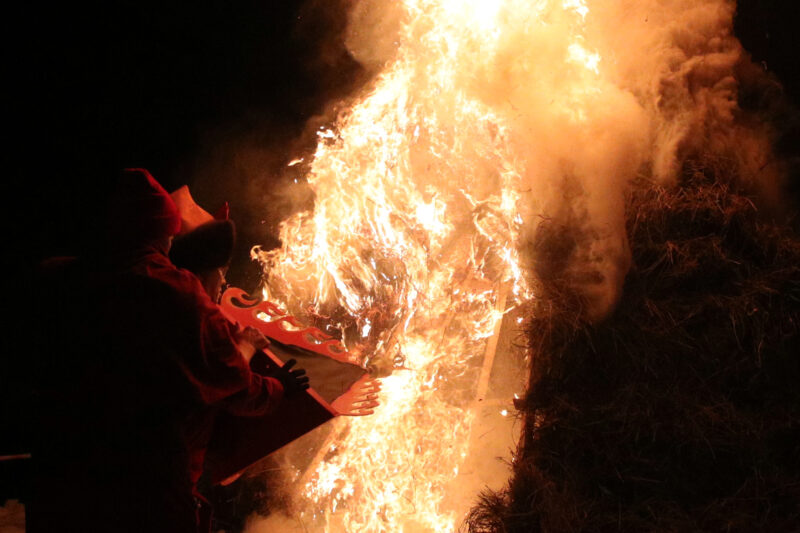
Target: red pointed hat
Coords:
[(205, 242), (141, 210), (192, 215)]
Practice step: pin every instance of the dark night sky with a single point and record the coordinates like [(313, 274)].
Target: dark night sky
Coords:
[(99, 86)]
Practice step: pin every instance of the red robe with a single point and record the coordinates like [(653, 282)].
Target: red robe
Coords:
[(137, 361)]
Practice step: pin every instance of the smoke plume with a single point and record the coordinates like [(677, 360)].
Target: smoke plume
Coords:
[(594, 94)]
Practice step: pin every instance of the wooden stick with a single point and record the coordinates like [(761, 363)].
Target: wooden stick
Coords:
[(491, 348)]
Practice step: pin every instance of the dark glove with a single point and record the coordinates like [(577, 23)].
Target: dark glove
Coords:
[(293, 381)]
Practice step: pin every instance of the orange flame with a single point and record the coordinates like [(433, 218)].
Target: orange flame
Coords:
[(413, 235)]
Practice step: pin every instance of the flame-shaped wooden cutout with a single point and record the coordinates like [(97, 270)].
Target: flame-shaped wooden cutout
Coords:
[(276, 324), (340, 388), (358, 399)]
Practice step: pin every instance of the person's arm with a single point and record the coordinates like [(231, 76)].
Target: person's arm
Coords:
[(217, 359), (210, 352), (261, 397)]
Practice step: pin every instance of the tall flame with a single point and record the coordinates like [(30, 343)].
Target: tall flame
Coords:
[(421, 187), (412, 238)]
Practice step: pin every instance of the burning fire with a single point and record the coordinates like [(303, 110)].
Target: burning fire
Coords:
[(410, 253), (411, 243)]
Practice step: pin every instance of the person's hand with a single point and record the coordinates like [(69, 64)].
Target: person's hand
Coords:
[(249, 340), (254, 337), (293, 381)]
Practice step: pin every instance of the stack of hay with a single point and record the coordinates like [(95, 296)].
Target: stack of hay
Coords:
[(681, 412)]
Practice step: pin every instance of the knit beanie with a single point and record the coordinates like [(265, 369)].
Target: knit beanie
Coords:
[(206, 247)]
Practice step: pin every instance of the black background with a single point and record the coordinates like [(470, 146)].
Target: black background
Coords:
[(100, 86)]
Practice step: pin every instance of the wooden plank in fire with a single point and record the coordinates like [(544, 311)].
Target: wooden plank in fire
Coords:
[(491, 346)]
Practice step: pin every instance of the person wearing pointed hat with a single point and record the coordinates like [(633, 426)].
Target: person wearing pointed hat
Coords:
[(204, 246), (134, 349)]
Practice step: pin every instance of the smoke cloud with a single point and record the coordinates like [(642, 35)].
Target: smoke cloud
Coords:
[(594, 94)]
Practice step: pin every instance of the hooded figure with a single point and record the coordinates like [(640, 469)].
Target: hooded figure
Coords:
[(204, 245), (136, 352)]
